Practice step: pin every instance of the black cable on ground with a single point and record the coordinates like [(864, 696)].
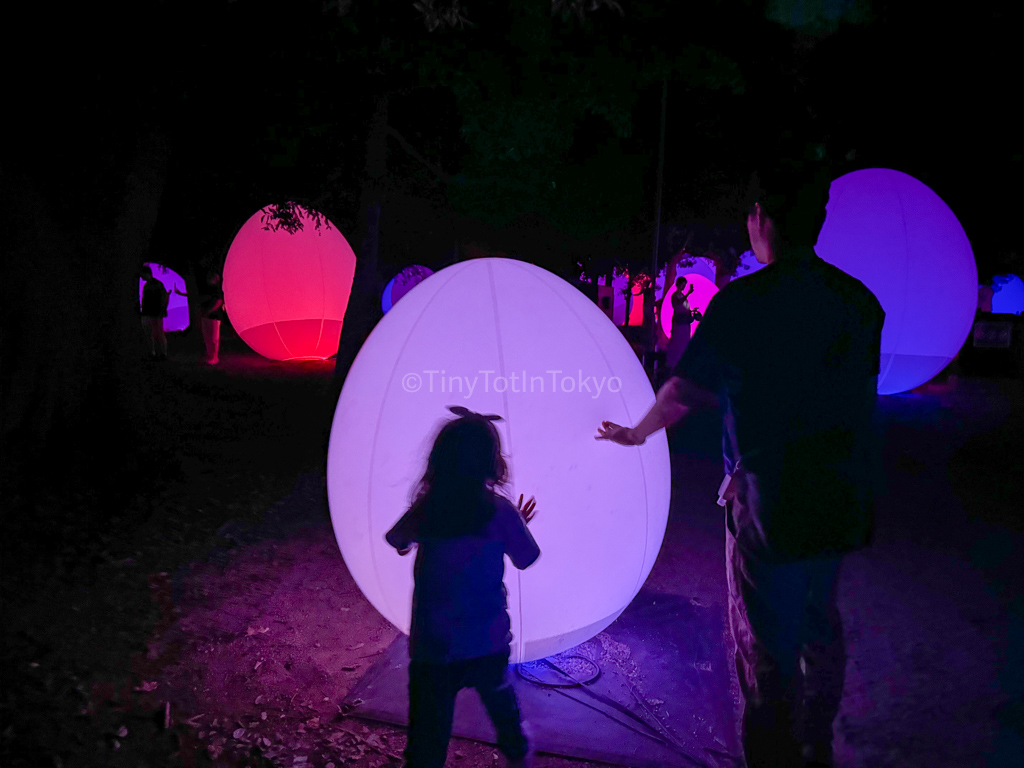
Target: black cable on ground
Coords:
[(659, 735)]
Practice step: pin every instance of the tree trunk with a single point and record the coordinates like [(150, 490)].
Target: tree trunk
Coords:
[(71, 344), (364, 309), (130, 242)]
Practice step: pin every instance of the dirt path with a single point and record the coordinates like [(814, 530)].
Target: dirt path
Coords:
[(217, 622)]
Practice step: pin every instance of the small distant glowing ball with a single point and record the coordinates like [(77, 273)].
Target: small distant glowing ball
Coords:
[(985, 298), (286, 294), (748, 265), (897, 236), (401, 284), (620, 280), (177, 305), (703, 291), (506, 337), (1007, 295), (636, 306)]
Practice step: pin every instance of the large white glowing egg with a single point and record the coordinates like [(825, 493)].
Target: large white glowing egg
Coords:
[(286, 293), (505, 337), (900, 239)]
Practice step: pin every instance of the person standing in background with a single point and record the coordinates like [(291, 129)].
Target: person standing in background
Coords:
[(212, 308), (153, 310), (683, 317)]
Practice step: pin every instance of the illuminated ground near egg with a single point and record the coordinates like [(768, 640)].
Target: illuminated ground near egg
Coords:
[(268, 621)]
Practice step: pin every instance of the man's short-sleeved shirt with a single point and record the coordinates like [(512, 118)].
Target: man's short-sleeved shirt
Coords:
[(794, 350), (459, 602), (209, 297)]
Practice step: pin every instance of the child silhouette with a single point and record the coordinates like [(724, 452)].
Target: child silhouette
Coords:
[(462, 529)]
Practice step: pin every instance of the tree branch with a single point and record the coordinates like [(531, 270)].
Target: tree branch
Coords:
[(434, 169)]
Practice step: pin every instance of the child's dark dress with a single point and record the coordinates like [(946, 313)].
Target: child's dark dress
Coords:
[(460, 629)]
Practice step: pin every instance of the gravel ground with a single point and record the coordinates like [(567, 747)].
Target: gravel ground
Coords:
[(218, 624)]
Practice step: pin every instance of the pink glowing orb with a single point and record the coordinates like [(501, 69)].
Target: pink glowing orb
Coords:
[(401, 284), (636, 307), (538, 352), (177, 305), (703, 290), (700, 266), (900, 239), (286, 294)]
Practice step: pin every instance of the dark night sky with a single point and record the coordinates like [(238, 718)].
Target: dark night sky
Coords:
[(262, 100)]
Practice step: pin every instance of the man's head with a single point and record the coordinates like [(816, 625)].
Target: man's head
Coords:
[(786, 209), (680, 283), (147, 272)]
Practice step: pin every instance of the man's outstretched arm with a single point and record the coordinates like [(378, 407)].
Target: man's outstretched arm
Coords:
[(676, 398)]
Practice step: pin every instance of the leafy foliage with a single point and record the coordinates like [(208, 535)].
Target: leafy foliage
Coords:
[(290, 216)]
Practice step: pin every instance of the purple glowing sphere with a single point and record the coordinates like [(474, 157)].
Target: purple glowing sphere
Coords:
[(401, 284), (900, 239), (177, 304)]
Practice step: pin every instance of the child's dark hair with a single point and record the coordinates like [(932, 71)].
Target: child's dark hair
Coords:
[(456, 493)]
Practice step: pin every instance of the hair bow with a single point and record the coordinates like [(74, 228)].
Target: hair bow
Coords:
[(462, 412)]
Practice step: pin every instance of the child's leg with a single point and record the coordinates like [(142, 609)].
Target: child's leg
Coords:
[(215, 337), (431, 705), (207, 326), (489, 675)]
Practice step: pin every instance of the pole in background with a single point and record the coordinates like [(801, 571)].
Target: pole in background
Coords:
[(649, 310)]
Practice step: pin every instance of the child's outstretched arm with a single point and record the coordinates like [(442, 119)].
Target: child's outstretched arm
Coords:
[(520, 546), (402, 535)]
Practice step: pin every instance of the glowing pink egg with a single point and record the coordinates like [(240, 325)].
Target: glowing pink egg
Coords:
[(286, 294), (900, 239), (703, 290), (177, 305)]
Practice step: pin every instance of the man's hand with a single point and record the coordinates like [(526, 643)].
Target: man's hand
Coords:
[(617, 434), (676, 398), (528, 510)]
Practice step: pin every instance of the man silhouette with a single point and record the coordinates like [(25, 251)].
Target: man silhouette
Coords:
[(153, 310), (792, 353)]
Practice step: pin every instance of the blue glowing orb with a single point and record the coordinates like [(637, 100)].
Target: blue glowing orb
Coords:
[(1007, 295)]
